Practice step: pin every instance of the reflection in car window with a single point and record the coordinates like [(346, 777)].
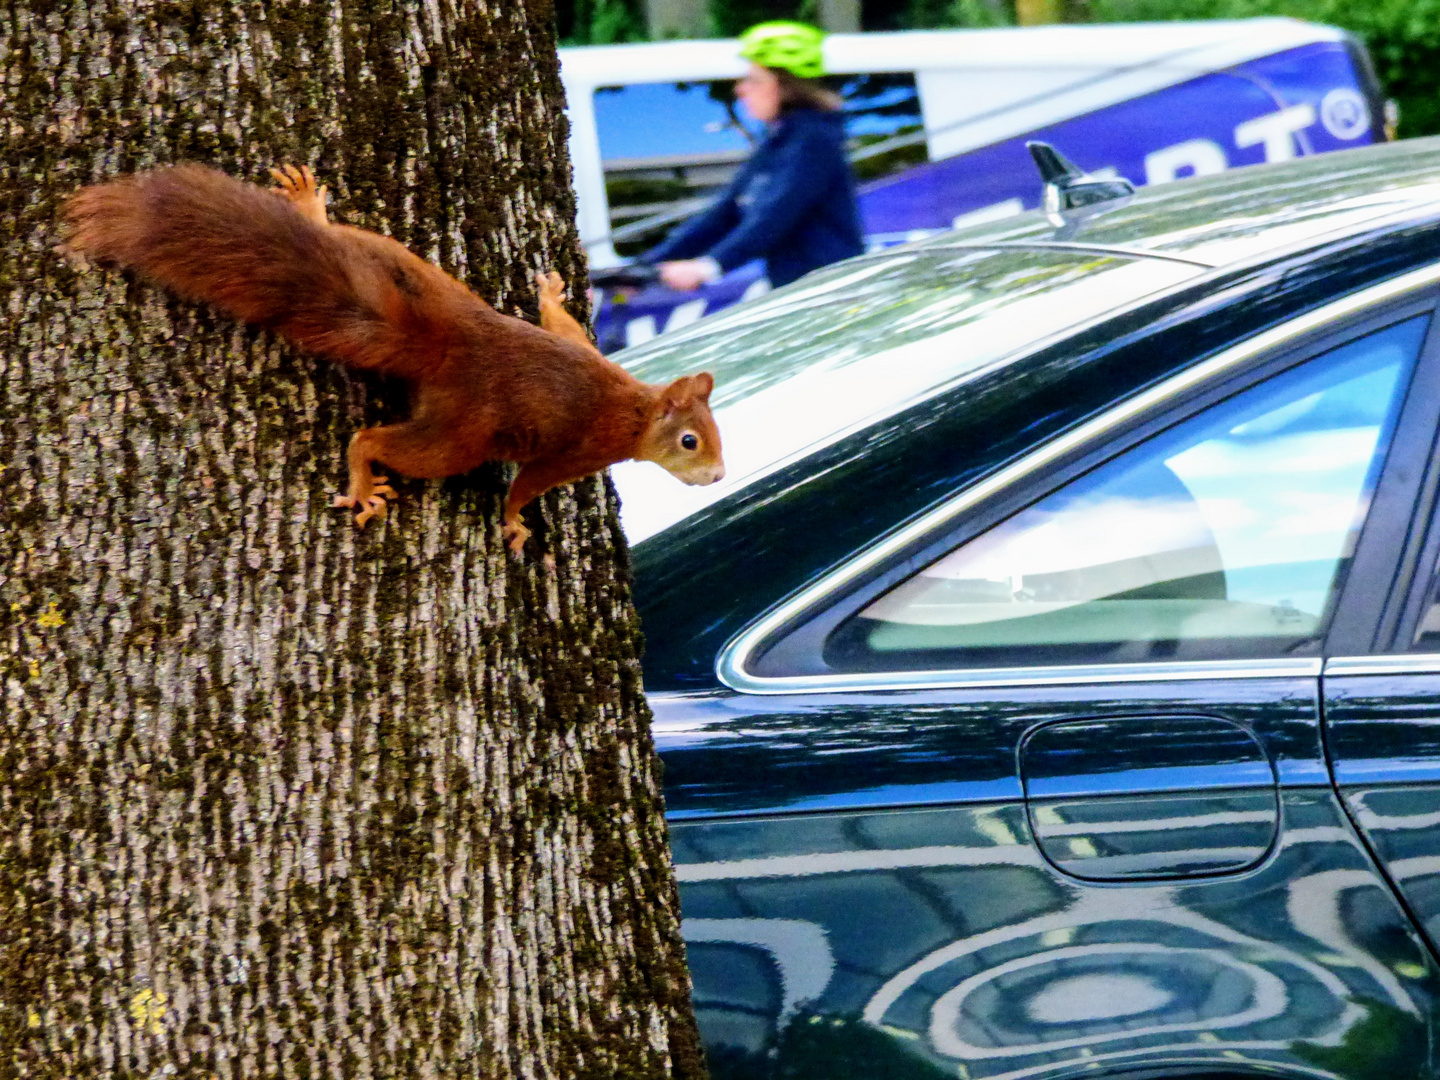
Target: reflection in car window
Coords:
[(1225, 536)]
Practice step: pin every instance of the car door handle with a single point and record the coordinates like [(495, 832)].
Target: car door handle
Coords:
[(1139, 798)]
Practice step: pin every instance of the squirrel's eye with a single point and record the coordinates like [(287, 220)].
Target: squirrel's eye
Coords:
[(688, 441)]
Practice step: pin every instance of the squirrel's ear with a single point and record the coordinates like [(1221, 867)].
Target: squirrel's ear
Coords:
[(684, 391), (704, 383)]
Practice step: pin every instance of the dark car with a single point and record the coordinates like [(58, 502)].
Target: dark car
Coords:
[(1075, 712)]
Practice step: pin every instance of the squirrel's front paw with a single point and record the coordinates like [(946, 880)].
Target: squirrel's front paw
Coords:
[(515, 534), (552, 287)]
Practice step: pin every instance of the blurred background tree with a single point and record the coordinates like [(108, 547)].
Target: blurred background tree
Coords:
[(730, 17), (935, 14), (600, 22)]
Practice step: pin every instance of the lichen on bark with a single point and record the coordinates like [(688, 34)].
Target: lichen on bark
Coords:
[(277, 798)]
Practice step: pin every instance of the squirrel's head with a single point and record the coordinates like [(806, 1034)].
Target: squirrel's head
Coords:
[(682, 436)]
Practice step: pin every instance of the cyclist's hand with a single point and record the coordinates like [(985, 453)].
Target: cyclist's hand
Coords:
[(688, 274)]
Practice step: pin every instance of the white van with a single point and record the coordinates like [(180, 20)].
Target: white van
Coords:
[(938, 121)]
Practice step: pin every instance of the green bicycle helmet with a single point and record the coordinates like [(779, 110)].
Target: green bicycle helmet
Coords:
[(791, 46)]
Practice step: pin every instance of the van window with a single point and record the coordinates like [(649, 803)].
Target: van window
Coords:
[(667, 148)]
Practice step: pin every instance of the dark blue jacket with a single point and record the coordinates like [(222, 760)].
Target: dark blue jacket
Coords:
[(792, 204)]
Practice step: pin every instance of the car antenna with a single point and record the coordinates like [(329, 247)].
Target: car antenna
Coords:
[(1067, 187)]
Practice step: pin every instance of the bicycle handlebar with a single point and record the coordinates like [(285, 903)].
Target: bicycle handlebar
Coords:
[(635, 275)]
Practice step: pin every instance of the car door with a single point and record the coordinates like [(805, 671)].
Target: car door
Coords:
[(1040, 788), (1382, 683)]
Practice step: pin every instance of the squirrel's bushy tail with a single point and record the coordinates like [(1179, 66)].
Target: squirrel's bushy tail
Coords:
[(244, 249)]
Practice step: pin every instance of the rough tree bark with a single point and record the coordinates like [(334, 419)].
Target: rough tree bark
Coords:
[(279, 798)]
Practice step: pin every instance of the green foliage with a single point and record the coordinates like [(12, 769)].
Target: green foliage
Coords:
[(1403, 37), (1385, 1044), (969, 14), (842, 1048), (935, 14), (979, 13), (819, 1047), (730, 18), (599, 22)]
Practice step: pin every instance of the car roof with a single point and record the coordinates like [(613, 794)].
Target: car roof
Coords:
[(847, 346), (1242, 214)]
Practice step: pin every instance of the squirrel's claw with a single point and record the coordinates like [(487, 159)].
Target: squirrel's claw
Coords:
[(298, 185), (552, 286), (515, 535), (373, 505), (287, 178)]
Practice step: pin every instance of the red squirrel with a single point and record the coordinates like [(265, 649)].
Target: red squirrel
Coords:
[(483, 386)]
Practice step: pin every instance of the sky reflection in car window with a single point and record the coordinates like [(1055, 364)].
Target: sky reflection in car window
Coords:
[(1232, 526)]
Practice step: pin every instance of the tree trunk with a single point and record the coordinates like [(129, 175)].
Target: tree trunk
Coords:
[(279, 798)]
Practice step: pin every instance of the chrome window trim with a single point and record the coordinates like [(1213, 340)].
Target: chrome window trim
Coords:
[(730, 663), (1402, 664), (1076, 674)]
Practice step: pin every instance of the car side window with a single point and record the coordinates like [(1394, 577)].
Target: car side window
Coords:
[(1224, 536)]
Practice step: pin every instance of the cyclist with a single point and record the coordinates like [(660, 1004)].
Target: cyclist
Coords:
[(793, 202)]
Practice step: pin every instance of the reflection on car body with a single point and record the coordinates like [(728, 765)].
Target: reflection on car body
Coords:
[(1057, 696)]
